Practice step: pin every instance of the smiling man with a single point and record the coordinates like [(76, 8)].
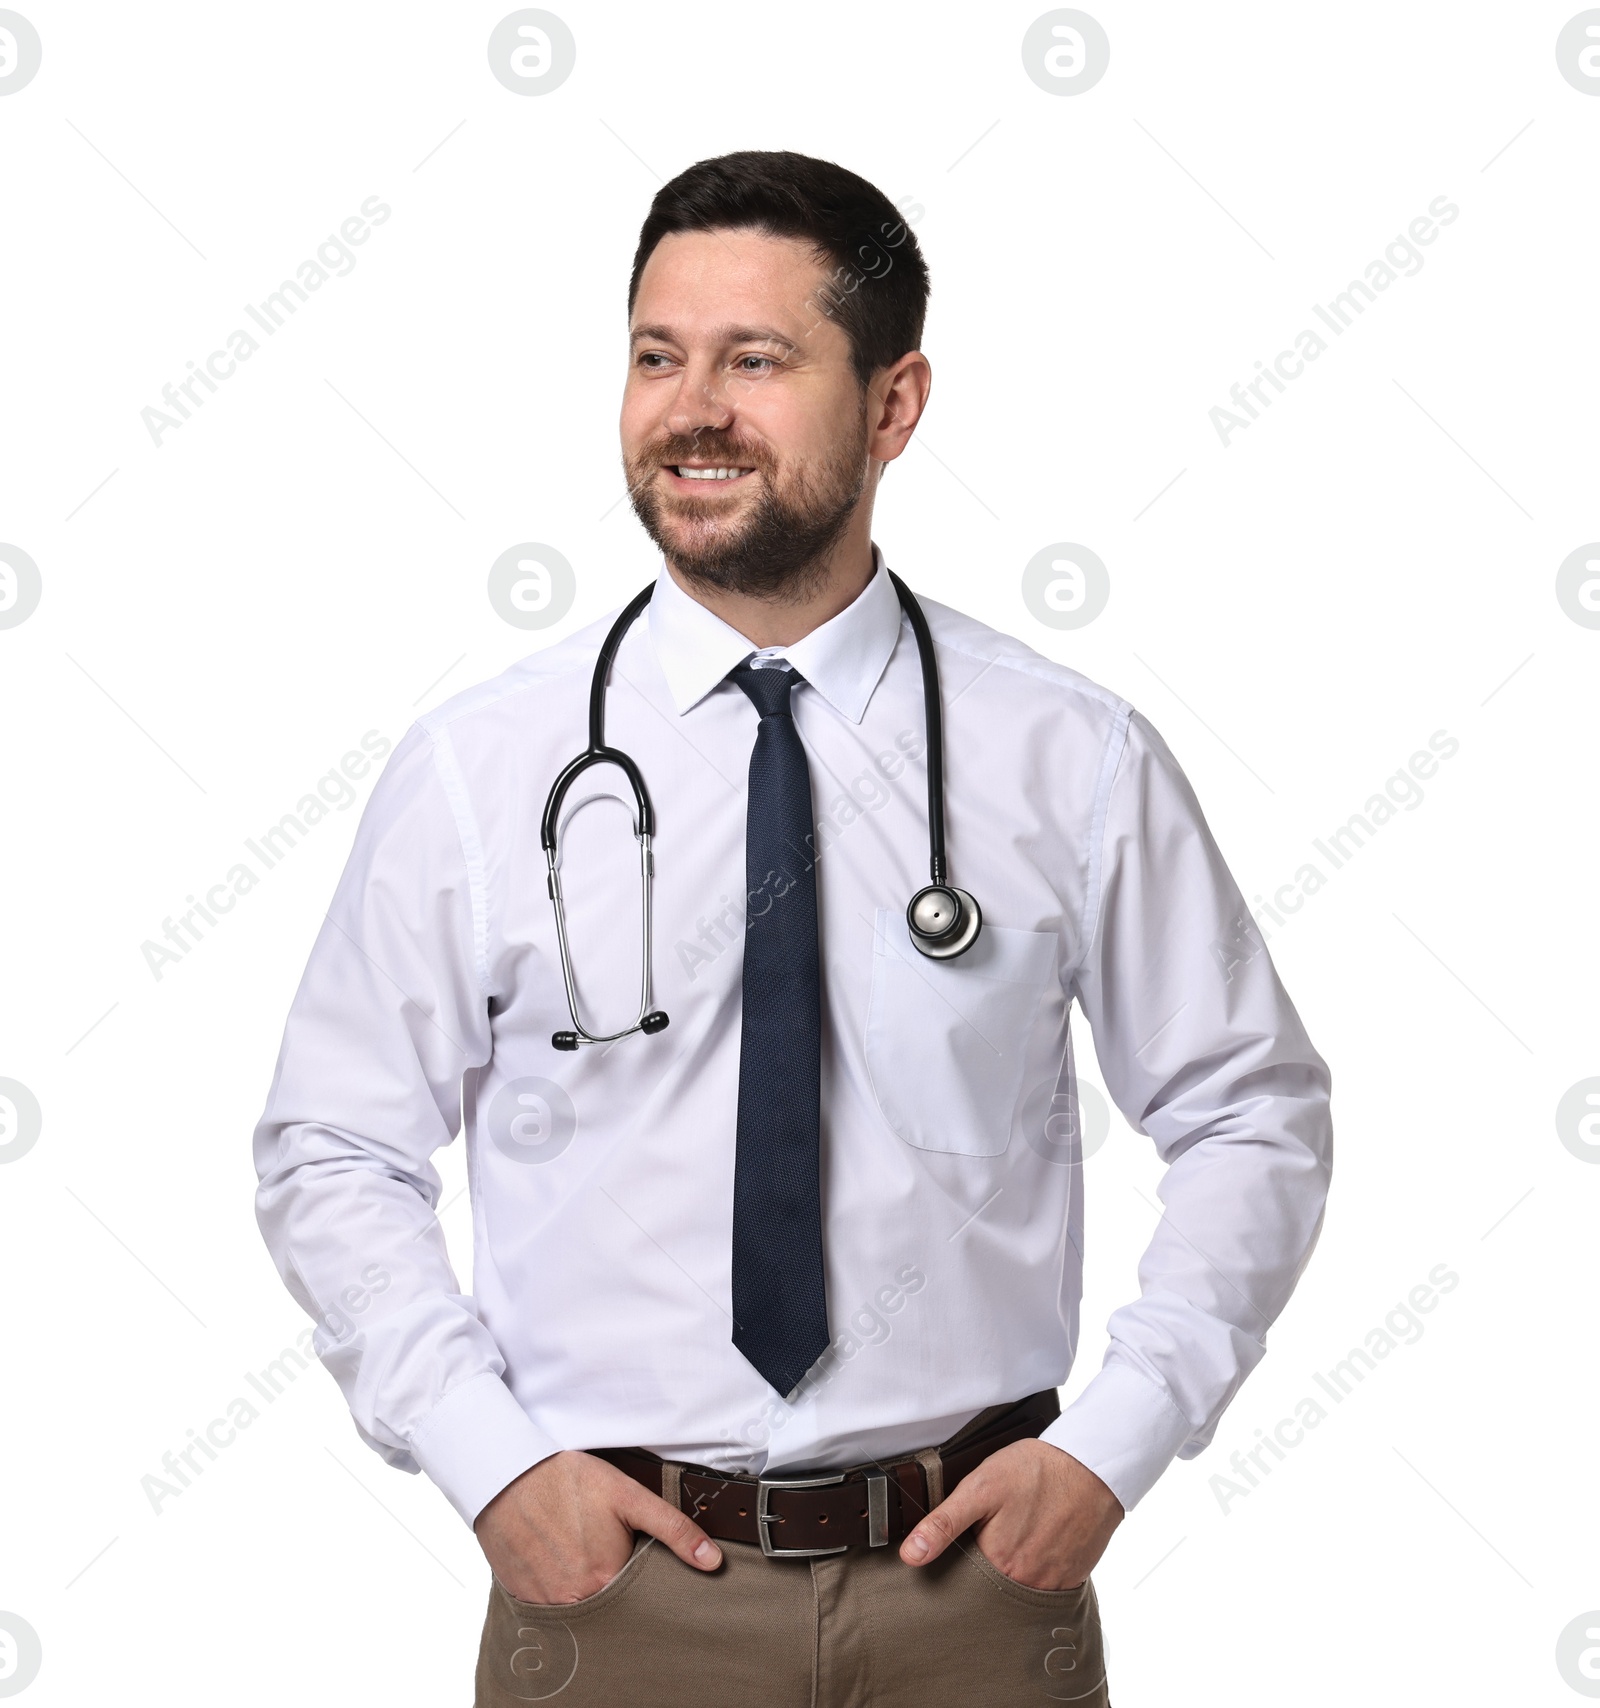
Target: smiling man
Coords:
[(755, 1400)]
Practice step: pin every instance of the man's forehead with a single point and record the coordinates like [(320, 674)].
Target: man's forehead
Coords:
[(729, 286)]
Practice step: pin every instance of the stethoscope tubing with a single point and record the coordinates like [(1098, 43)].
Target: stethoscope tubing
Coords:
[(944, 943)]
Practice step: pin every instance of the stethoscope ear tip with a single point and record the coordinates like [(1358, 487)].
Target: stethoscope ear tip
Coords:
[(655, 1021)]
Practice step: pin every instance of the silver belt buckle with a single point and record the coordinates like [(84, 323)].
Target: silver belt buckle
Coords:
[(764, 1516)]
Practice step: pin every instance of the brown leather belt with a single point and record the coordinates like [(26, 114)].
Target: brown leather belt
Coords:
[(867, 1506)]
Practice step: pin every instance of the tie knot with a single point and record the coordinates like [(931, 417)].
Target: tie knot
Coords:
[(767, 688)]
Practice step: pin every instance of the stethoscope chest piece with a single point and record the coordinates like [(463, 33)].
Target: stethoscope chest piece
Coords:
[(943, 921)]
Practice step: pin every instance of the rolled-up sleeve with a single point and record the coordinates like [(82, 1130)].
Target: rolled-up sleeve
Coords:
[(390, 1013), (1204, 1054)]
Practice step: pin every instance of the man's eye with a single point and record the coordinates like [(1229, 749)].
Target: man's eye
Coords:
[(763, 364), (650, 357)]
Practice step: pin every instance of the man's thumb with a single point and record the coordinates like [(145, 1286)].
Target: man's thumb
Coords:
[(941, 1527), (649, 1513)]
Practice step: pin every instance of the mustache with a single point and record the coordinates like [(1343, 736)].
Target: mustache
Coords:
[(709, 443)]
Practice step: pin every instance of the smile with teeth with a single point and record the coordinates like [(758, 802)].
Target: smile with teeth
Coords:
[(685, 473)]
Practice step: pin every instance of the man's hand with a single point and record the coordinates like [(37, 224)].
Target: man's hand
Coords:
[(1043, 1519), (564, 1529)]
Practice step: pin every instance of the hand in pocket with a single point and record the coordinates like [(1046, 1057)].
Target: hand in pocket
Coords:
[(564, 1529), (1043, 1519)]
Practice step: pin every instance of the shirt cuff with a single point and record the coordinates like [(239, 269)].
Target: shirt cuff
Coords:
[(476, 1441), (1125, 1428)]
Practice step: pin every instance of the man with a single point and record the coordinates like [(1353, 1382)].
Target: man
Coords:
[(825, 1228)]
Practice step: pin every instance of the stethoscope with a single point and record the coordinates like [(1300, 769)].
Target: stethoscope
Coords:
[(943, 921)]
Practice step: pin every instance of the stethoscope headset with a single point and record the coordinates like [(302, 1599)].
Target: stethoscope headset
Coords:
[(943, 921)]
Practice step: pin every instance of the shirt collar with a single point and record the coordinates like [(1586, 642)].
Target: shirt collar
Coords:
[(842, 659)]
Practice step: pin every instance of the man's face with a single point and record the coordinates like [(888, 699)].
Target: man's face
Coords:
[(744, 430)]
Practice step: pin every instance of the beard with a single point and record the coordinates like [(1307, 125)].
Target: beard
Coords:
[(776, 547)]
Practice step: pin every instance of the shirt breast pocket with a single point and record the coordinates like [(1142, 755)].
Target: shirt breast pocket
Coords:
[(946, 1041)]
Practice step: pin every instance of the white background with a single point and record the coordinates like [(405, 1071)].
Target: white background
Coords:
[(305, 560)]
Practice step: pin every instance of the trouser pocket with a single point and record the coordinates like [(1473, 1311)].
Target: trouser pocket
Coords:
[(531, 1652)]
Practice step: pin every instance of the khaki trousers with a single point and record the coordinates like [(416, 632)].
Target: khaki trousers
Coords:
[(853, 1630)]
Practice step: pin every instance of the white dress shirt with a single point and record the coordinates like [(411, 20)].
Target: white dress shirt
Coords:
[(952, 1186)]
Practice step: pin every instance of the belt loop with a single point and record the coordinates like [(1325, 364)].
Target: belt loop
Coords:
[(912, 1489), (933, 1469), (672, 1484)]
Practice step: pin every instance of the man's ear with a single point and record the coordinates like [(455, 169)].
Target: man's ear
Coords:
[(897, 396)]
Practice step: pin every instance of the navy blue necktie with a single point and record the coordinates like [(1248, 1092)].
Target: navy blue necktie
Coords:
[(780, 1312)]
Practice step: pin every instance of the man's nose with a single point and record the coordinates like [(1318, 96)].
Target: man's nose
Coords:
[(701, 402)]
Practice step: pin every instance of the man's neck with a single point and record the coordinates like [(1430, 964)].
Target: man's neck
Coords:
[(772, 622)]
